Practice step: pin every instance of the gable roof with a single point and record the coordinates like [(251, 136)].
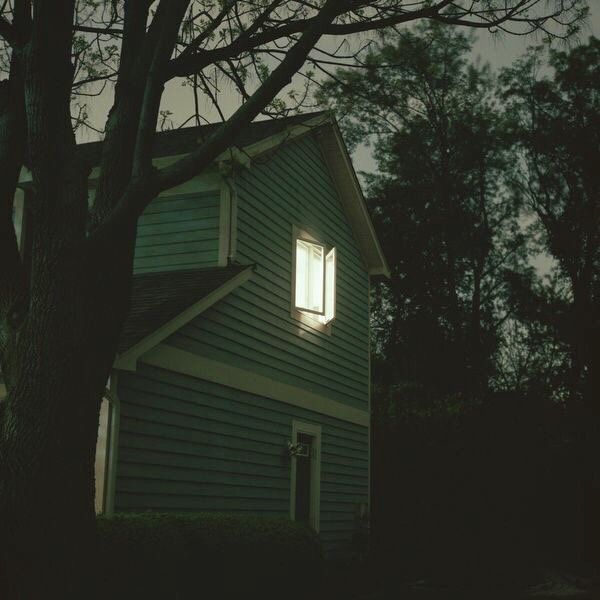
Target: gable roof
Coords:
[(161, 303), (263, 136), (181, 141)]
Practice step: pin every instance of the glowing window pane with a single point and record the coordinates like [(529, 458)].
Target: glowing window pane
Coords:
[(301, 274), (310, 274)]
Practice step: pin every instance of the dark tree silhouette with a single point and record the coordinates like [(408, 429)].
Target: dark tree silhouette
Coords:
[(448, 224), (557, 133)]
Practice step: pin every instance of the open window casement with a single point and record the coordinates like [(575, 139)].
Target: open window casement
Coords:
[(315, 280), (330, 273)]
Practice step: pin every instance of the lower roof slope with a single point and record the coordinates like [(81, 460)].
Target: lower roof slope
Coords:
[(157, 298)]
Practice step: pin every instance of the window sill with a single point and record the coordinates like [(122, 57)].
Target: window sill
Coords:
[(310, 321)]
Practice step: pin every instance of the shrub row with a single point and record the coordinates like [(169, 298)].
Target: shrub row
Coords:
[(180, 556)]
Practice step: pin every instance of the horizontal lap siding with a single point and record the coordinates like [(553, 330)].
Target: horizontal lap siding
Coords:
[(252, 328), (178, 232), (191, 445)]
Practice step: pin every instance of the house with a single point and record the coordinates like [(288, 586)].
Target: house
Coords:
[(242, 381)]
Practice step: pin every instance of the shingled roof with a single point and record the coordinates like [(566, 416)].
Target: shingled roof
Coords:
[(157, 298), (186, 139)]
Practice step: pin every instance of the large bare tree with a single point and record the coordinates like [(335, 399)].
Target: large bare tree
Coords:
[(61, 311)]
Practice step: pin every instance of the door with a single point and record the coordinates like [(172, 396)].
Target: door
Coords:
[(306, 474)]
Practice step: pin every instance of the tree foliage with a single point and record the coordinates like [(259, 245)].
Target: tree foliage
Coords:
[(447, 221), (556, 128), (496, 177)]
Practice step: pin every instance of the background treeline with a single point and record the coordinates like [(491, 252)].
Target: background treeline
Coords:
[(486, 405)]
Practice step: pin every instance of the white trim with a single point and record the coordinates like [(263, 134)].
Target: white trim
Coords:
[(233, 155), (109, 475), (369, 431), (227, 216), (113, 441), (233, 233), (101, 455), (128, 360), (187, 363), (352, 199), (19, 217), (224, 222), (315, 473)]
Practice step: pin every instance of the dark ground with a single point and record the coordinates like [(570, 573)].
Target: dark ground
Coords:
[(359, 582)]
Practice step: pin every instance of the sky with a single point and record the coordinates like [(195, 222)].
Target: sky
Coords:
[(498, 51)]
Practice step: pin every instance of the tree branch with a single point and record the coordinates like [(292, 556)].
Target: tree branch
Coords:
[(122, 122), (186, 64), (9, 33), (166, 23), (99, 30), (143, 189)]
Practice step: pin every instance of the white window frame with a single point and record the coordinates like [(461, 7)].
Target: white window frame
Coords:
[(307, 316), (102, 454), (315, 472), (105, 499)]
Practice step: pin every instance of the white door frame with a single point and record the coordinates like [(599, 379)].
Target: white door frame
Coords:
[(315, 472)]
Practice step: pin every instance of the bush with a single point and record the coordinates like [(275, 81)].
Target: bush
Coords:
[(180, 556)]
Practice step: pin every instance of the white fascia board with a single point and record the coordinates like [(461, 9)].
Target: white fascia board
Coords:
[(350, 193), (128, 360)]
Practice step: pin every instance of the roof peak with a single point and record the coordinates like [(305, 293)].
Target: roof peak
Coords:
[(172, 142)]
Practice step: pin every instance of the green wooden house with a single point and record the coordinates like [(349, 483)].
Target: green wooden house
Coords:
[(242, 383)]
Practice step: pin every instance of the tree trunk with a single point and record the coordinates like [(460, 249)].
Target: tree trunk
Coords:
[(60, 362)]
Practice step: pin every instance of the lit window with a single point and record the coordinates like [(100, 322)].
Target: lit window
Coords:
[(315, 280)]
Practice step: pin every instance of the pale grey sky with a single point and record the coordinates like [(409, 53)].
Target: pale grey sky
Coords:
[(499, 51)]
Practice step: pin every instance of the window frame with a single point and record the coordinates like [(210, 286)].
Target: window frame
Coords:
[(104, 502), (307, 316)]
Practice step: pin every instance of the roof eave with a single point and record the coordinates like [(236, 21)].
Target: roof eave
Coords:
[(350, 193)]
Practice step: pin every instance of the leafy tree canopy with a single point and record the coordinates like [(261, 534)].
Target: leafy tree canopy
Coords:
[(448, 224)]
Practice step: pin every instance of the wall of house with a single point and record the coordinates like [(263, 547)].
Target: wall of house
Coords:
[(252, 328), (179, 231), (191, 445)]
